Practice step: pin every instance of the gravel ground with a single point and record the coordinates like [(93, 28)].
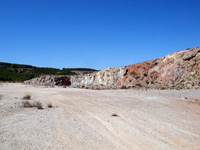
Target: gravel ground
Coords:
[(98, 119)]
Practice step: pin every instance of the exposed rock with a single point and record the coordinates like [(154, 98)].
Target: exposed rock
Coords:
[(50, 80), (177, 70)]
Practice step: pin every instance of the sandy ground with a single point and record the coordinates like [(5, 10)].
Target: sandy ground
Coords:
[(82, 119)]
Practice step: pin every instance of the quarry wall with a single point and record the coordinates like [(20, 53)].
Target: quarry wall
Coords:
[(179, 70)]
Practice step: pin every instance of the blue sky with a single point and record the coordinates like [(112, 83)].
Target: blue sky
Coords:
[(95, 33)]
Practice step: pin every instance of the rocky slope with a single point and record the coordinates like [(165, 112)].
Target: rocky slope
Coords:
[(177, 70), (50, 80)]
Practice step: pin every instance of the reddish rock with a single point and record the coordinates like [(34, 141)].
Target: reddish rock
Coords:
[(177, 70)]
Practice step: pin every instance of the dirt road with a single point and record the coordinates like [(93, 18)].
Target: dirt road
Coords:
[(99, 119)]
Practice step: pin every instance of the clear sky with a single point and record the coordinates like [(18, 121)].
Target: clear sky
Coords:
[(95, 33)]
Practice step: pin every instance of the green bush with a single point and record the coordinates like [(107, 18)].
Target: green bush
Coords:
[(138, 84), (134, 74), (123, 87), (153, 72), (147, 82)]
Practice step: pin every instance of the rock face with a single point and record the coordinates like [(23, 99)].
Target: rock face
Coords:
[(177, 70), (50, 80), (108, 78)]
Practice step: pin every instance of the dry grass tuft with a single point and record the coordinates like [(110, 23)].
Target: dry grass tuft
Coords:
[(27, 104), (27, 97), (39, 105), (115, 115), (123, 87), (50, 105)]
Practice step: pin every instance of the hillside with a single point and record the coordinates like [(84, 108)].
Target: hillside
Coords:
[(177, 70), (20, 72)]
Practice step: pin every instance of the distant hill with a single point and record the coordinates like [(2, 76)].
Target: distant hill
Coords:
[(21, 72)]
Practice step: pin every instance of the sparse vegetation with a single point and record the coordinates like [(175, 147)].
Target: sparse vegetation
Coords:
[(153, 72), (133, 73), (87, 72), (138, 84), (27, 104), (49, 105), (147, 82), (39, 105), (123, 87), (27, 97), (181, 85), (115, 115), (193, 75), (163, 87)]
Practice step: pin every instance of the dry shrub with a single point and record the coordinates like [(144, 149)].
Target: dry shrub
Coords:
[(27, 97), (27, 104), (39, 105), (115, 115), (123, 87), (49, 105), (163, 87)]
